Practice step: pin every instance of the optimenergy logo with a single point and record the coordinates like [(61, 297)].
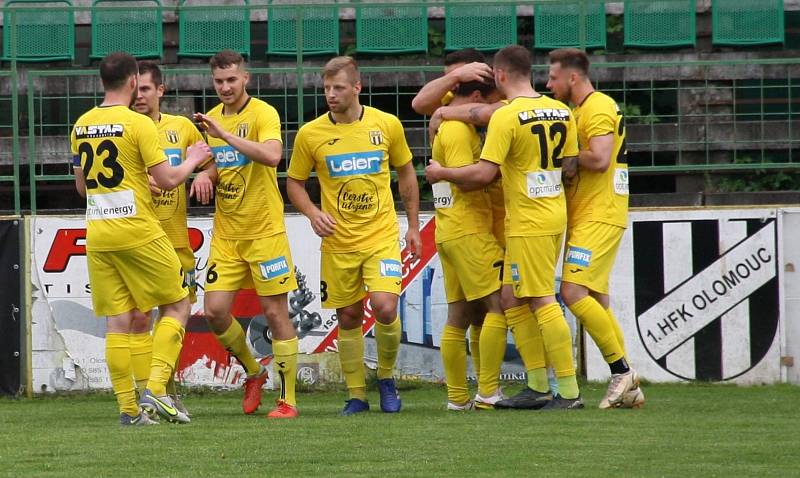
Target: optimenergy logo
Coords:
[(351, 164), (544, 184)]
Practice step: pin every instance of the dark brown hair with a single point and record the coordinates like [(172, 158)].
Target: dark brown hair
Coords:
[(116, 68), (571, 58)]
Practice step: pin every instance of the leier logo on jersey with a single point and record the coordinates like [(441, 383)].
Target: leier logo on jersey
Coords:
[(621, 181), (274, 268), (173, 156), (172, 136), (110, 205), (544, 184), (228, 157), (351, 164)]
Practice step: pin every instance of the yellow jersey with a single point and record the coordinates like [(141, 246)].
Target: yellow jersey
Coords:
[(248, 201), (352, 162), (175, 134), (459, 213), (528, 138), (114, 147), (596, 196)]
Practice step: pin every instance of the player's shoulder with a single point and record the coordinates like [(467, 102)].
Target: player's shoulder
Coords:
[(316, 126), (257, 105), (216, 111), (372, 114), (456, 128), (600, 100)]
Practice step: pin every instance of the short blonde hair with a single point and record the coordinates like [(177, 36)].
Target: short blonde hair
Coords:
[(342, 63)]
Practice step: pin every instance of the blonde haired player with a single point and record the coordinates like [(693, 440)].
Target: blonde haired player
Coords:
[(597, 208), (351, 147), (527, 140), (249, 248), (132, 264), (175, 135)]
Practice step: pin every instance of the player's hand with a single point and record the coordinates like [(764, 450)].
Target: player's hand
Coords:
[(434, 122), (154, 189), (569, 168), (198, 153), (433, 171), (208, 125), (322, 223), (414, 243), (475, 71), (202, 188)]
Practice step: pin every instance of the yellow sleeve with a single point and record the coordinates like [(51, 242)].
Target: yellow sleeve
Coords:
[(456, 144), (447, 98), (571, 144), (302, 161), (268, 125), (190, 130), (498, 138), (399, 152), (602, 121), (147, 139), (73, 147)]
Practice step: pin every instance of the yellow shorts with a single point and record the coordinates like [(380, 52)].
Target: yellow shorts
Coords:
[(186, 256), (472, 266), (530, 264), (263, 264), (140, 278), (499, 226), (345, 277), (591, 251)]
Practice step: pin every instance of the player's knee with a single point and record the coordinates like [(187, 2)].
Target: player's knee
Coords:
[(140, 323), (571, 293), (385, 311)]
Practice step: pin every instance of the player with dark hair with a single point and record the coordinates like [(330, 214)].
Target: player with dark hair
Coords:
[(249, 247), (351, 148), (527, 141), (132, 265), (597, 209)]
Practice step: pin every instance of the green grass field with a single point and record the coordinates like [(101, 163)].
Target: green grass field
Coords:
[(684, 430)]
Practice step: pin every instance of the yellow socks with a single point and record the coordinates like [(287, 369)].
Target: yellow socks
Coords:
[(558, 346), (475, 349), (234, 342), (617, 329), (493, 348), (453, 348), (387, 340), (595, 319), (351, 357), (141, 346), (167, 343), (528, 339), (537, 380), (285, 362), (118, 359)]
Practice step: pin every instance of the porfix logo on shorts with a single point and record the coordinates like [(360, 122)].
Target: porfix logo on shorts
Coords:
[(391, 268), (515, 272), (274, 268), (351, 164), (579, 256)]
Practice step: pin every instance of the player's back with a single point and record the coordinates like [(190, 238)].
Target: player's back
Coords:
[(458, 212), (594, 195), (114, 146), (529, 137)]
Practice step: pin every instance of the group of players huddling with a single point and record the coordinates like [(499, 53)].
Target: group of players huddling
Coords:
[(498, 240)]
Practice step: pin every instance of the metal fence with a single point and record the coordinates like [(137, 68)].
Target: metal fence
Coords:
[(687, 117)]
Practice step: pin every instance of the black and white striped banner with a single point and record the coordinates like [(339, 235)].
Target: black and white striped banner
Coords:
[(706, 295)]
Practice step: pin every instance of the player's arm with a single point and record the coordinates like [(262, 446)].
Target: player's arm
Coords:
[(204, 183), (268, 153), (409, 192), (430, 96), (467, 178), (478, 114), (80, 180), (322, 223), (169, 177), (598, 156)]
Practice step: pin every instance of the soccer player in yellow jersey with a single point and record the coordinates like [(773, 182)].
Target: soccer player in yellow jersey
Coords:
[(471, 256), (249, 247), (132, 265), (528, 139), (175, 134), (597, 207), (351, 148), (435, 97)]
